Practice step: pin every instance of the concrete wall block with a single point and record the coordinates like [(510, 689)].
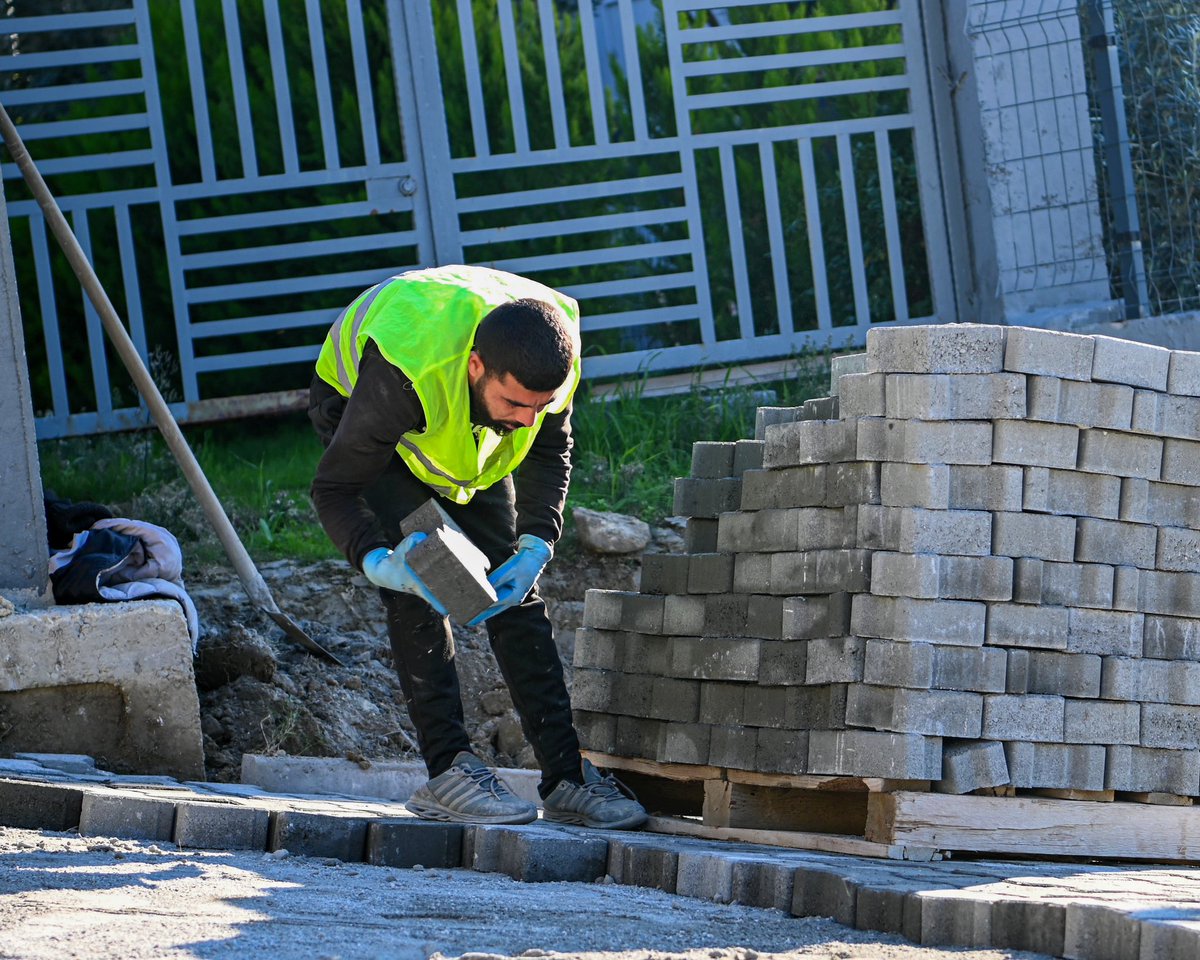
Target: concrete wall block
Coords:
[(861, 395), (1023, 717), (1105, 632), (126, 815), (707, 498), (1049, 353), (1029, 579), (959, 918), (821, 571), (866, 753), (844, 365), (752, 573), (816, 708), (640, 613), (781, 489), (959, 532), (664, 573), (764, 617), (593, 690), (940, 348), (764, 706), (223, 826), (700, 535), (821, 408), (636, 737), (732, 745), (1107, 405), (1036, 926), (767, 416), (1078, 585), (1020, 625), (972, 765), (597, 731), (602, 609), (1141, 770), (1102, 722), (725, 614), (1181, 462), (975, 669), (694, 658), (673, 699), (762, 883), (915, 485), (1170, 726), (1038, 535), (955, 622), (938, 713), (1065, 674), (944, 441), (1174, 594), (1178, 549), (782, 751), (1071, 493), (1124, 361), (599, 649), (782, 662), (904, 574), (747, 455), (319, 835), (705, 875), (646, 653), (835, 660), (1183, 373), (1171, 638), (1157, 681), (1016, 676), (545, 856), (878, 440), (709, 573), (850, 484), (929, 575), (1126, 589), (997, 487), (1121, 454), (1163, 415), (1114, 541), (635, 862), (711, 459), (810, 442), (878, 528), (955, 396), (683, 616), (409, 842), (818, 615), (1055, 766), (27, 805), (1032, 444), (683, 743)]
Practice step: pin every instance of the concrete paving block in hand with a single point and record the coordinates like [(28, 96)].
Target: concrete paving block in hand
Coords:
[(712, 459), (1113, 541), (409, 842), (956, 622), (1032, 444), (1103, 722), (221, 826), (1183, 373), (1121, 454), (1170, 726), (866, 753), (1071, 493), (1105, 632), (427, 518), (861, 395), (1142, 770), (810, 442), (1055, 766), (119, 814), (319, 835), (995, 487), (27, 805), (955, 396), (1171, 638), (789, 487), (972, 765), (940, 348), (1042, 536), (1049, 353), (455, 570), (936, 713), (1038, 719), (1137, 364), (1106, 405), (1023, 625), (915, 485), (637, 862)]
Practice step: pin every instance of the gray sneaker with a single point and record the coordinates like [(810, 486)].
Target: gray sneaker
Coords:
[(469, 792), (601, 801)]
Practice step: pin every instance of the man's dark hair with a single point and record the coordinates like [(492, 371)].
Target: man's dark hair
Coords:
[(528, 339)]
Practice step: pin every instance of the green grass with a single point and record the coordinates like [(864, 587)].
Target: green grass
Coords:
[(628, 450)]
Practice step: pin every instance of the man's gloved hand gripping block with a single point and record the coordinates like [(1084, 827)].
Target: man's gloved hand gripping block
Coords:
[(448, 564)]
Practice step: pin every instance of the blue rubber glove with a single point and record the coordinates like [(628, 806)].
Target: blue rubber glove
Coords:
[(515, 577), (389, 569)]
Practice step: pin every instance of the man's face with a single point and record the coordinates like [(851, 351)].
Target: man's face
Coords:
[(501, 403)]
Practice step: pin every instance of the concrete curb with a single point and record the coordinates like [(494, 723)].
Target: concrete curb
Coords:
[(1074, 911)]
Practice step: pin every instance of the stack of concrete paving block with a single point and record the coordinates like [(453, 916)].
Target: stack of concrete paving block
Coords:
[(978, 563)]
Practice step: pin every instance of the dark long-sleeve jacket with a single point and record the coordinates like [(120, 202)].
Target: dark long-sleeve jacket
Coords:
[(361, 434)]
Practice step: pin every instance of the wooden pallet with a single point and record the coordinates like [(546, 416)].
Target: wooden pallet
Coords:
[(900, 819)]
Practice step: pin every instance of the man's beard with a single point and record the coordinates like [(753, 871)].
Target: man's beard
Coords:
[(479, 414)]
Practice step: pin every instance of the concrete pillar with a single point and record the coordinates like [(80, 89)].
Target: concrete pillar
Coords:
[(1028, 169), (23, 552)]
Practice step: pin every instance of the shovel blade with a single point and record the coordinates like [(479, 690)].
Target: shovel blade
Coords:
[(293, 632)]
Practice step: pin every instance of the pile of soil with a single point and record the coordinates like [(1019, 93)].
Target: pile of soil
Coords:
[(261, 693)]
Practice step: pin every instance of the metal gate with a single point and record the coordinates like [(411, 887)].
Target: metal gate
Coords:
[(716, 181)]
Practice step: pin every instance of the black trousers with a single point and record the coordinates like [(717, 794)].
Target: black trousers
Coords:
[(522, 638)]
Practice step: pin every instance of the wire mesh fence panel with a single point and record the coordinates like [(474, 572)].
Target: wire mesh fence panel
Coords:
[(715, 180)]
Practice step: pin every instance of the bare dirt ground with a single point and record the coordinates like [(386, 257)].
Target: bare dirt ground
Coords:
[(65, 896), (261, 694)]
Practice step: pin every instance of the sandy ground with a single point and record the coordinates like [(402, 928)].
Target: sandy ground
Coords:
[(65, 896)]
